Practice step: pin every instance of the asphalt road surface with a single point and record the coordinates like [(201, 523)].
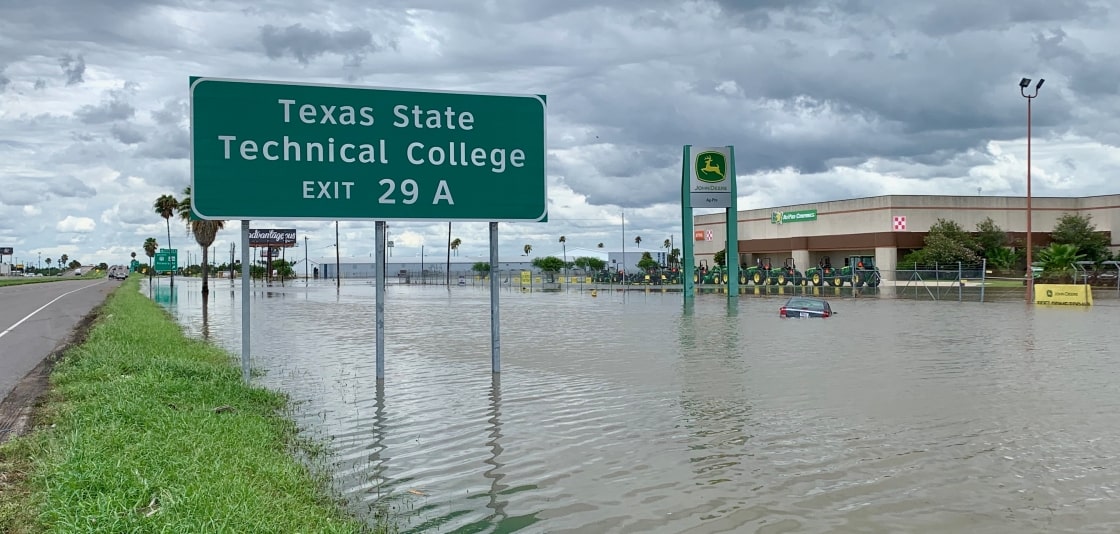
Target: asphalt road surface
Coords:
[(37, 319)]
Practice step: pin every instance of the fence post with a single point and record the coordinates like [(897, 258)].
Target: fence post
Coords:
[(960, 286), (983, 277), (937, 279)]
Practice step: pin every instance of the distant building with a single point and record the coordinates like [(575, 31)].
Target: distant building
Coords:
[(889, 227)]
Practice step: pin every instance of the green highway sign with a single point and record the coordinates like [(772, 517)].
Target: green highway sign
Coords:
[(275, 150), (167, 259)]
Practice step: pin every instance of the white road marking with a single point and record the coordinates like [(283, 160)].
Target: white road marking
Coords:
[(32, 314)]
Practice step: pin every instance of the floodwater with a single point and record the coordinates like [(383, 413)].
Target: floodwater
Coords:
[(628, 412)]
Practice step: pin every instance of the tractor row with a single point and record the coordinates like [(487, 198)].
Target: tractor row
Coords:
[(857, 271)]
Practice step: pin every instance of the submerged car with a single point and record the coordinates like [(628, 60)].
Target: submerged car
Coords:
[(806, 307)]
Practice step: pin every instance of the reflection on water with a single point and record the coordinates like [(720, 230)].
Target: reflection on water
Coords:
[(633, 412)]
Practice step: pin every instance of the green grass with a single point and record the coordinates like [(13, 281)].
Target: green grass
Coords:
[(145, 430), (20, 280)]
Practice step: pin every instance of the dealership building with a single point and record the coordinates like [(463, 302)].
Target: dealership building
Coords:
[(888, 227)]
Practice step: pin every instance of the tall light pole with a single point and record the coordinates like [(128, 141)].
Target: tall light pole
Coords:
[(1024, 84), (305, 259)]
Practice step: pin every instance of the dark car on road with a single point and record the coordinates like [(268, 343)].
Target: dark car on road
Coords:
[(805, 307)]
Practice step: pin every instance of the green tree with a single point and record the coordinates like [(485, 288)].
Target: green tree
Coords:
[(548, 264), (455, 244), (63, 260), (481, 267), (49, 271), (989, 237), (1079, 230), (1060, 260), (946, 243), (647, 263), (527, 248), (165, 206), (720, 258), (150, 246), (1002, 258), (675, 258), (589, 264), (204, 232)]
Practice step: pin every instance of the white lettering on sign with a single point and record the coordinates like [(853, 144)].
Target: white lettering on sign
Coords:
[(324, 114), (432, 118), (315, 189), (410, 192), (286, 149), (456, 155)]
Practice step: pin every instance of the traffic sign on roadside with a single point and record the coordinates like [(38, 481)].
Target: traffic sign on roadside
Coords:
[(274, 150), (167, 259)]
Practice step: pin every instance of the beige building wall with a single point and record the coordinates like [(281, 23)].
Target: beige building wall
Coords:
[(870, 221)]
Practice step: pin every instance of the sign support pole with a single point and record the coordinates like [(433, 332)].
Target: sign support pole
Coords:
[(687, 286), (495, 329), (246, 271), (732, 224), (379, 306)]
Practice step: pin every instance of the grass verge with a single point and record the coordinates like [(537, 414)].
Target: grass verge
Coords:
[(145, 430)]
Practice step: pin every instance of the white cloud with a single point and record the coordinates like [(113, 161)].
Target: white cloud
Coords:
[(78, 225), (822, 100)]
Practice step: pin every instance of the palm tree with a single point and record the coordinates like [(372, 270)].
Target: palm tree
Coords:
[(204, 232), (667, 244), (448, 254), (528, 249), (455, 243), (165, 206), (1060, 260), (150, 246), (564, 245), (638, 240), (63, 259), (48, 265), (600, 245)]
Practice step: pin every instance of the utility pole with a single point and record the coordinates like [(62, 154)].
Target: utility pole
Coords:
[(305, 259)]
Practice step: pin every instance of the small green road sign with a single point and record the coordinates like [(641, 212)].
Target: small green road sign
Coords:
[(274, 150), (167, 259), (132, 266)]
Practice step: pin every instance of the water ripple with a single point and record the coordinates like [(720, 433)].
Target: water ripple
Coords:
[(630, 412)]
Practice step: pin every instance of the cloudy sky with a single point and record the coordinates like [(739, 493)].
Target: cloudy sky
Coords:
[(822, 100)]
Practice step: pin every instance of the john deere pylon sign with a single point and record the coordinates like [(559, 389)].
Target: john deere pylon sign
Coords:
[(708, 181), (711, 183)]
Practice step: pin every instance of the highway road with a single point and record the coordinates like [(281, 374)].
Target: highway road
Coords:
[(37, 319)]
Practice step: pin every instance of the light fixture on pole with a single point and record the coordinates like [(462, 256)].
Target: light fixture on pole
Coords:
[(1024, 84)]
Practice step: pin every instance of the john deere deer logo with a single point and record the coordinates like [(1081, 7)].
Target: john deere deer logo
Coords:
[(710, 167)]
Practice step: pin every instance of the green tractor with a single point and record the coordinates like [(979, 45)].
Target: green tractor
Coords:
[(824, 272), (789, 274), (759, 273), (860, 271), (705, 275)]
